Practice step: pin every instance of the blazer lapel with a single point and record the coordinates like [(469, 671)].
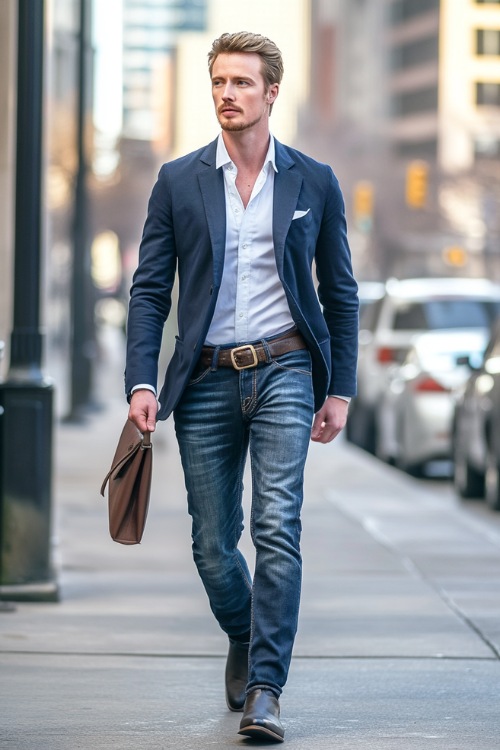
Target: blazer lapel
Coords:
[(287, 185), (211, 181)]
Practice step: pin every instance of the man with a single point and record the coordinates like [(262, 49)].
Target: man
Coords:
[(242, 221)]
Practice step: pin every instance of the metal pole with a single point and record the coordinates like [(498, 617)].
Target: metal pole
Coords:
[(26, 397), (83, 338)]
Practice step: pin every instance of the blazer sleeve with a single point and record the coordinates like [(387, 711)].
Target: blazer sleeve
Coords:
[(151, 292), (337, 291)]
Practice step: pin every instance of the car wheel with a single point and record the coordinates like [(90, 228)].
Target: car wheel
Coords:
[(492, 481), (468, 481), (413, 469)]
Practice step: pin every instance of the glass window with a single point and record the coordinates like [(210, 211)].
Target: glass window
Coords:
[(415, 53), (488, 94), (446, 313), (412, 102), (368, 314), (487, 41), (416, 149), (486, 146), (404, 10)]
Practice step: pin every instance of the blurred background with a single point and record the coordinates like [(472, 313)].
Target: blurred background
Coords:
[(401, 97)]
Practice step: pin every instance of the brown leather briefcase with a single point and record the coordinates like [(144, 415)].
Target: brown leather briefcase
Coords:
[(129, 485)]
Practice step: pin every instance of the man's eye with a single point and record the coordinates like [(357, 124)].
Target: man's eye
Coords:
[(242, 83)]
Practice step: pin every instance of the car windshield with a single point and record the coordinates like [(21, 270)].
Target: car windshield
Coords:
[(446, 313)]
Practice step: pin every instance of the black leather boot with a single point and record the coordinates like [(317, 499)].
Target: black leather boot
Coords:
[(236, 675), (261, 717)]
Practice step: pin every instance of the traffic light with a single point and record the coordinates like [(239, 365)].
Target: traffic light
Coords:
[(455, 255), (417, 174), (363, 205)]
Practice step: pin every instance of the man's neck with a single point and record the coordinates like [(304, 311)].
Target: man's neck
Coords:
[(247, 149)]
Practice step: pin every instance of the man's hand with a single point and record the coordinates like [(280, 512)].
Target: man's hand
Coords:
[(143, 408), (329, 420)]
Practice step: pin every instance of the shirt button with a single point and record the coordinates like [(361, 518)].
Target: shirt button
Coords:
[(240, 315), (236, 210), (245, 247)]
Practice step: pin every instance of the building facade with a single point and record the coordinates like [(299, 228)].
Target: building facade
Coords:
[(411, 92), (150, 32)]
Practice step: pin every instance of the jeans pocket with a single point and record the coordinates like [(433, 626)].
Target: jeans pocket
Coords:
[(199, 373), (297, 361)]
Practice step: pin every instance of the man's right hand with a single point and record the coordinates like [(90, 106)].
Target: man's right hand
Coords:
[(143, 408)]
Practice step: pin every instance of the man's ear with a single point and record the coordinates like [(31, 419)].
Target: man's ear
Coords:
[(272, 93)]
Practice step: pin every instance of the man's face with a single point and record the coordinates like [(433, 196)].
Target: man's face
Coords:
[(239, 92)]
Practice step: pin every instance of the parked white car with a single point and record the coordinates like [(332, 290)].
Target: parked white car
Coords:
[(410, 307), (415, 414)]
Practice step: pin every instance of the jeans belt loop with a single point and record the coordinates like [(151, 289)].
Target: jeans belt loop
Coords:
[(265, 346), (215, 359)]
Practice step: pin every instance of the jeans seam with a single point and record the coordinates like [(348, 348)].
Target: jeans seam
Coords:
[(291, 369), (200, 377), (248, 405)]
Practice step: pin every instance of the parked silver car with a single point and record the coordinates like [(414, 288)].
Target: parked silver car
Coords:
[(415, 414), (409, 307), (476, 429)]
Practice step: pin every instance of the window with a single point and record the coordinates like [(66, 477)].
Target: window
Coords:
[(488, 42), (486, 146), (414, 102), (417, 149), (404, 10), (488, 94), (445, 313), (415, 53)]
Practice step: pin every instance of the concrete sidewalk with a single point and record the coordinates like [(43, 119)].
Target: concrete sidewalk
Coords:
[(399, 637)]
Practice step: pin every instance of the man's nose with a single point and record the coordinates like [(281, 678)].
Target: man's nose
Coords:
[(228, 92)]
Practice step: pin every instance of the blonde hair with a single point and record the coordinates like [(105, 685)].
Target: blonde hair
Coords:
[(245, 41)]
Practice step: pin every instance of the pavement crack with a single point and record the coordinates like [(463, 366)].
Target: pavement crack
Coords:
[(372, 527)]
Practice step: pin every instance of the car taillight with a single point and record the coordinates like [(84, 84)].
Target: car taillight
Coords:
[(386, 355), (429, 385)]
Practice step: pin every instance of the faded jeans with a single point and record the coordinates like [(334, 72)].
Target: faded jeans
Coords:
[(223, 413)]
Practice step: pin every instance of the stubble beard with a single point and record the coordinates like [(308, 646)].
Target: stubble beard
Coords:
[(237, 127)]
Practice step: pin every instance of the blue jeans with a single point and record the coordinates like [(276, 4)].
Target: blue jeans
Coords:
[(223, 413)]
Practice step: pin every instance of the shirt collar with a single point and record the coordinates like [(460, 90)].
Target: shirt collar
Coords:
[(222, 158)]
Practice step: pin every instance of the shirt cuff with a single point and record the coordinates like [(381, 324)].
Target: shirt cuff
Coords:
[(342, 398), (143, 387)]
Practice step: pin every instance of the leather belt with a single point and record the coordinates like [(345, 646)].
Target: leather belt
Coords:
[(249, 355)]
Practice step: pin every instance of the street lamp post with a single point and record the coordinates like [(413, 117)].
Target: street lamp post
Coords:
[(26, 396), (82, 302)]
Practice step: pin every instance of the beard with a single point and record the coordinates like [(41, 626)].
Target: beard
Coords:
[(236, 127)]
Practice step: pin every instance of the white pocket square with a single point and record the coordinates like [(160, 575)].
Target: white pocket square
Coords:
[(300, 214)]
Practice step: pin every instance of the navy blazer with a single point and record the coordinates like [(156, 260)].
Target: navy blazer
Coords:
[(185, 232)]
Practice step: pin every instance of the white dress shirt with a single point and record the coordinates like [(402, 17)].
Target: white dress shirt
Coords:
[(251, 304)]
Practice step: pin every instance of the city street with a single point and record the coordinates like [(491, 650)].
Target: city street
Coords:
[(399, 639), (380, 165)]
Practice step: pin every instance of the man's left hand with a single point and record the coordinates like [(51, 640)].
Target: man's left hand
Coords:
[(329, 420)]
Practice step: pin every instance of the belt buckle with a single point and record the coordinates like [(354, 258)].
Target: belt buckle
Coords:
[(245, 347)]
